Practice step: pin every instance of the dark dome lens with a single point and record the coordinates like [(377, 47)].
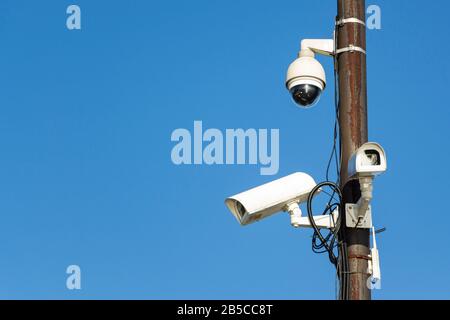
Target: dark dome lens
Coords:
[(305, 95)]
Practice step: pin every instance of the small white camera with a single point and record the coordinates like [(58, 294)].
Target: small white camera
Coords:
[(368, 161), (263, 201)]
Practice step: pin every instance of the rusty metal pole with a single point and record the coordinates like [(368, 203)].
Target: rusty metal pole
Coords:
[(353, 133)]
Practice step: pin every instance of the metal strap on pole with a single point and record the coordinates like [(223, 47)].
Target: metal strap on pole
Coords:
[(350, 48), (341, 22)]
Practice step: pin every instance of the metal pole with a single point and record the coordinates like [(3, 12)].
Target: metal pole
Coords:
[(353, 133)]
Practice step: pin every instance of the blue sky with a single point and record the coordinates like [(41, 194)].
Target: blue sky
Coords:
[(87, 178)]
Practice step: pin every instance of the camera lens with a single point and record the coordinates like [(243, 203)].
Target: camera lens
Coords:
[(306, 95), (373, 157), (240, 209)]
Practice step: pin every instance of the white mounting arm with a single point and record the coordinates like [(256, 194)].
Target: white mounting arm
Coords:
[(359, 215), (320, 46), (325, 47), (366, 195), (322, 222)]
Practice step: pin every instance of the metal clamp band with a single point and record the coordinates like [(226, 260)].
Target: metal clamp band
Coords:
[(350, 48), (360, 256), (349, 20)]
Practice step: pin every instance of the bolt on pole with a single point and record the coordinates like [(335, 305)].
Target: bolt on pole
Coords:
[(353, 133)]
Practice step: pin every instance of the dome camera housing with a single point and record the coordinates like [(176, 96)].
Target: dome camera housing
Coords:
[(305, 79)]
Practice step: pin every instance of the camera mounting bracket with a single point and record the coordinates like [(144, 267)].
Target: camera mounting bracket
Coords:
[(353, 218), (322, 222), (320, 46), (359, 215)]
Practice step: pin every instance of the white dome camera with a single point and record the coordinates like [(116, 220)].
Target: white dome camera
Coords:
[(305, 77)]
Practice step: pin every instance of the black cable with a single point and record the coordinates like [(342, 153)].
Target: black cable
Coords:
[(331, 236), (321, 243), (343, 269), (337, 134), (336, 130)]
